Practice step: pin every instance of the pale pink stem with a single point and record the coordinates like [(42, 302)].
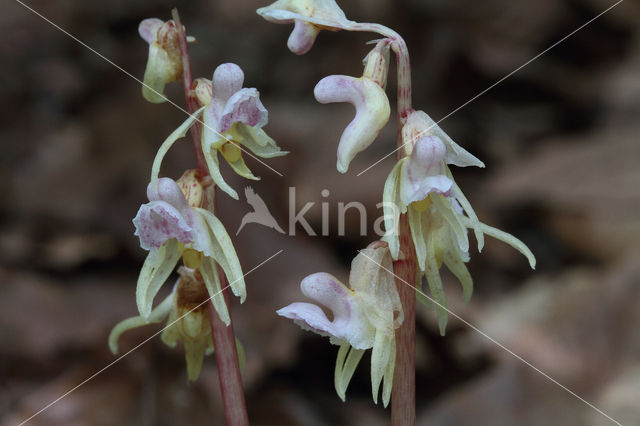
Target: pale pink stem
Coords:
[(403, 397), (224, 340)]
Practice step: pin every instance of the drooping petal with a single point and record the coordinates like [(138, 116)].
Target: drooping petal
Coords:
[(244, 106), (417, 234), (157, 315), (346, 362), (224, 253), (157, 222), (178, 133), (194, 351), (391, 207), (434, 281), (380, 355), (466, 205), (157, 267), (171, 333), (509, 239), (232, 153), (388, 376), (446, 210), (212, 282), (456, 265), (211, 157), (424, 172), (256, 140), (372, 112), (148, 29)]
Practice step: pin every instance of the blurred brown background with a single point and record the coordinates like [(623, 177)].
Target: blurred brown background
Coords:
[(560, 140)]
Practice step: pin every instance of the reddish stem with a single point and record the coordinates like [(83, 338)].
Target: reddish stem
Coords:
[(403, 397), (189, 95), (235, 410), (224, 340)]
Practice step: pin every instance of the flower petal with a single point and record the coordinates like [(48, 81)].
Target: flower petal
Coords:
[(380, 358), (324, 13), (302, 37), (419, 124), (233, 155), (227, 79), (309, 317), (417, 234), (372, 112), (148, 29), (178, 133), (209, 273), (211, 157), (243, 106), (156, 75), (224, 253), (157, 267), (435, 286), (194, 355), (424, 172), (391, 206), (157, 315), (157, 222), (349, 319), (256, 140), (466, 205), (509, 239), (345, 368), (456, 265)]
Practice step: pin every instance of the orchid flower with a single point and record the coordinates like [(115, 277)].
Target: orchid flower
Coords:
[(164, 64), (234, 117), (368, 97), (171, 226), (422, 186), (187, 321), (308, 17), (365, 316)]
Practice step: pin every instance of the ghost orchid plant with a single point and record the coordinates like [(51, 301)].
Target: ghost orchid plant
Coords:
[(426, 215), (179, 222)]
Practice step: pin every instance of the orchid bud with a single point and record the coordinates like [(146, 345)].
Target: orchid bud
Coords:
[(191, 187), (164, 64), (372, 112), (376, 63), (203, 90)]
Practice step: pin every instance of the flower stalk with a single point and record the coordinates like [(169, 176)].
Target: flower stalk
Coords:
[(223, 336)]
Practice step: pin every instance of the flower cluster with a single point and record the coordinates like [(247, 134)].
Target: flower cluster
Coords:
[(422, 186), (178, 222)]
